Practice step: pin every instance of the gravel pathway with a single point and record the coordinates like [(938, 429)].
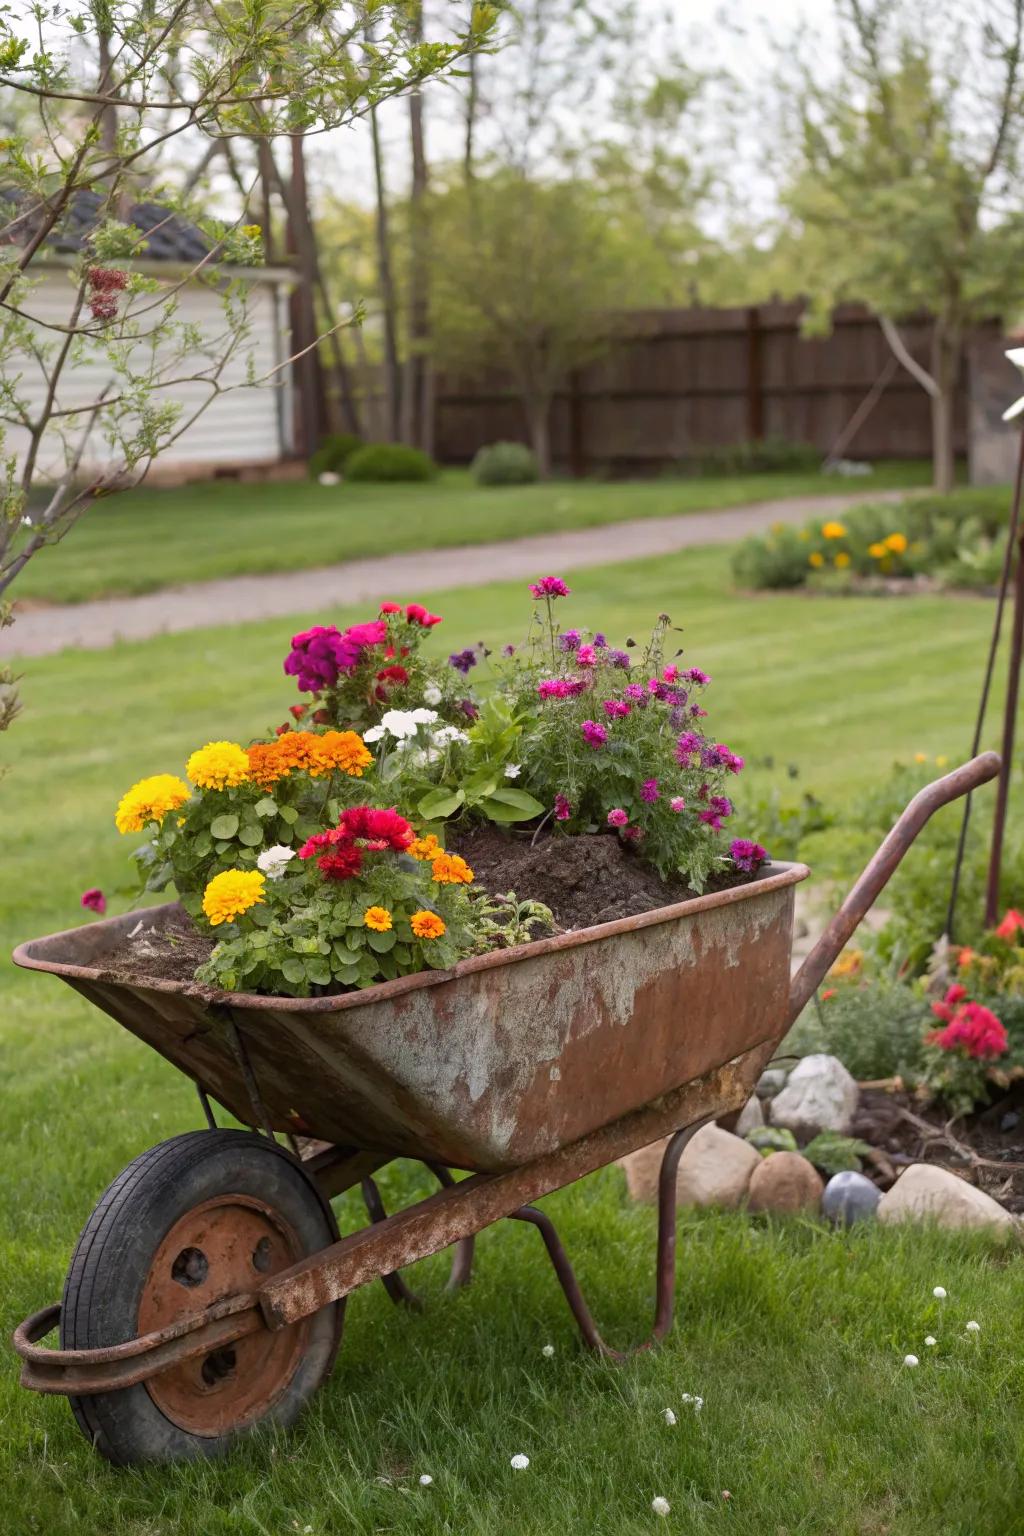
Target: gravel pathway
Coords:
[(45, 630)]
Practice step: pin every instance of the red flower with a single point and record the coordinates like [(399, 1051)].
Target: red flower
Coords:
[(283, 730), (342, 864), (417, 614), (390, 607), (1009, 925), (297, 710), (322, 717), (389, 677), (955, 995), (94, 900), (384, 829), (973, 1029), (828, 992)]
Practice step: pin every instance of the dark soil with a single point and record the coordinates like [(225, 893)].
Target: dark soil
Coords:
[(171, 951), (584, 880), (987, 1148)]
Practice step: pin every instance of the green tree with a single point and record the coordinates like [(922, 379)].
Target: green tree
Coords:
[(906, 175)]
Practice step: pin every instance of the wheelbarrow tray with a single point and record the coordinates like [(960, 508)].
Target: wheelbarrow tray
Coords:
[(506, 1058)]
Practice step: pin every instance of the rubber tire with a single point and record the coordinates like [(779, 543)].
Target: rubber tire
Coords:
[(112, 1259)]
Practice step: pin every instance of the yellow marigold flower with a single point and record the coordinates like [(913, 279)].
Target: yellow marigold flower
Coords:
[(427, 925), (878, 551), (920, 757), (425, 848), (150, 800), (842, 560), (218, 765), (816, 558), (377, 918), (342, 750), (451, 869), (897, 542), (834, 531), (231, 893)]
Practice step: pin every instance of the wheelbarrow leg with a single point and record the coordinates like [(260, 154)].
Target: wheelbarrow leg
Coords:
[(666, 1271), (462, 1263)]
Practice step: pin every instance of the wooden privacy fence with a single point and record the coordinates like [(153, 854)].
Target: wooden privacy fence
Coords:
[(677, 382)]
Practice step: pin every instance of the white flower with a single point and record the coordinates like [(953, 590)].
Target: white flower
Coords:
[(940, 1292), (661, 1506), (911, 1360), (930, 1341), (973, 1327), (431, 694), (426, 1480), (448, 734), (669, 1417), (520, 1463), (696, 1403), (400, 723), (513, 770), (548, 1351), (374, 733), (274, 861), (421, 716)]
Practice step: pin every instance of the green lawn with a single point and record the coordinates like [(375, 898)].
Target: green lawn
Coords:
[(793, 1335), (153, 538)]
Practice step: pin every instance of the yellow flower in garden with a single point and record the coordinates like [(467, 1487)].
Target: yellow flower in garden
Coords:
[(425, 848), (803, 534), (377, 918), (816, 559), (427, 925), (878, 551), (849, 963), (920, 757), (842, 560), (150, 800), (897, 542), (450, 869), (342, 750), (218, 765), (833, 531), (231, 893), (941, 762)]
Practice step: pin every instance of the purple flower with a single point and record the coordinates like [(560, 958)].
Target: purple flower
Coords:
[(94, 900), (468, 708), (462, 661), (697, 676), (698, 713), (593, 734), (508, 650), (319, 654), (617, 817), (688, 743), (677, 804), (615, 709), (747, 855), (600, 641), (637, 692), (721, 805), (570, 640), (549, 586), (649, 791), (586, 656), (618, 658), (563, 808)]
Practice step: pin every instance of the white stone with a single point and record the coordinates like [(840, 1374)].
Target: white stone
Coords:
[(924, 1192), (820, 1095), (715, 1168), (751, 1117), (911, 1360), (328, 477), (519, 1463), (426, 1480), (661, 1506)]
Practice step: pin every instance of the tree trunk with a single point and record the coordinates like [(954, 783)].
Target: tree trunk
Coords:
[(385, 277), (417, 393), (538, 419), (945, 371), (310, 400)]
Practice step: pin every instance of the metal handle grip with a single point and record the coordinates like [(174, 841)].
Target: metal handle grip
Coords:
[(880, 870)]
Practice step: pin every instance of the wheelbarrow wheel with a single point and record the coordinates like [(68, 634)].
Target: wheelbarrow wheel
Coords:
[(202, 1216)]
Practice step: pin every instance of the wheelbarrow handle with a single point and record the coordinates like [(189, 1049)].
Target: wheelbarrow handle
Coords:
[(883, 865)]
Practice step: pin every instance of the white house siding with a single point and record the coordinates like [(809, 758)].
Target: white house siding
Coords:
[(245, 426)]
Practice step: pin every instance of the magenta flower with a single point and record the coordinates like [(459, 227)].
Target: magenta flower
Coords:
[(695, 675), (617, 658), (688, 743), (593, 734), (747, 855), (670, 674), (508, 650), (563, 808), (549, 586), (586, 656), (711, 819), (698, 713), (637, 692), (94, 900), (319, 654), (649, 791), (634, 834), (721, 805), (570, 640), (561, 687), (617, 817), (615, 709), (677, 804)]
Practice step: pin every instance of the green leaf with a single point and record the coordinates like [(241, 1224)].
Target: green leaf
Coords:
[(440, 802), (251, 836), (520, 799), (390, 768), (202, 844), (382, 942), (288, 813), (293, 971), (318, 971), (224, 826), (266, 807)]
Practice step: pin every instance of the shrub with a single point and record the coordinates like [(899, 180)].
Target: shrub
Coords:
[(504, 464), (392, 462), (876, 1029), (334, 453), (768, 456)]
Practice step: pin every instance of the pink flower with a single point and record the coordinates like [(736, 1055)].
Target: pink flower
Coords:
[(561, 687), (390, 607), (954, 996), (649, 791), (688, 743), (549, 586), (417, 614), (695, 675), (617, 817), (746, 855), (94, 900), (634, 834), (593, 734), (586, 656), (563, 808), (670, 674), (615, 709), (677, 804)]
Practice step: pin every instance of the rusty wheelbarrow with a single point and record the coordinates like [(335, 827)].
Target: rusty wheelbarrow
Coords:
[(207, 1289)]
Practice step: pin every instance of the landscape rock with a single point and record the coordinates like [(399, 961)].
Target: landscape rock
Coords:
[(820, 1095), (751, 1117), (924, 1192), (850, 1197), (787, 1182), (715, 1169), (771, 1082)]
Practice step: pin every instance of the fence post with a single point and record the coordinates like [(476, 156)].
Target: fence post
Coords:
[(755, 382)]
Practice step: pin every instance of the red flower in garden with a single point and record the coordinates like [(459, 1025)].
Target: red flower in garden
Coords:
[(94, 900), (342, 864), (389, 677), (297, 710), (417, 614), (379, 829), (1011, 923), (390, 607), (974, 1030), (954, 996)]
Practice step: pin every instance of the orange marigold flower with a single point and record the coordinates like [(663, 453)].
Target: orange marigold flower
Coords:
[(425, 848), (377, 918), (265, 763), (342, 750), (451, 869), (297, 750), (816, 558), (427, 925), (897, 542)]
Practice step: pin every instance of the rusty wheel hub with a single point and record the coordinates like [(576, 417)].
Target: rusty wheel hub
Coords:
[(224, 1246)]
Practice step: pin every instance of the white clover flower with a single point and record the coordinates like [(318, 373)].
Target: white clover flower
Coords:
[(661, 1506), (426, 1480), (939, 1291), (548, 1351), (911, 1360), (696, 1403), (274, 861), (513, 770), (930, 1341), (519, 1463), (669, 1417), (431, 694), (973, 1327)]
